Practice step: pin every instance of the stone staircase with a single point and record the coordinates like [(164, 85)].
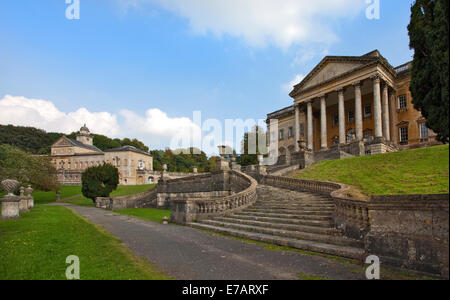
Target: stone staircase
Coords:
[(287, 218)]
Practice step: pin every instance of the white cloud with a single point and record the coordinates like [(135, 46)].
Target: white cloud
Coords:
[(22, 111), (288, 87), (261, 22)]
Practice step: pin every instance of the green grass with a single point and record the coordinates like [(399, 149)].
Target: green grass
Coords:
[(36, 246), (151, 214), (307, 277), (419, 171), (73, 195)]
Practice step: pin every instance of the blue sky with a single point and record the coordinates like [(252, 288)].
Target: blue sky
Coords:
[(228, 59)]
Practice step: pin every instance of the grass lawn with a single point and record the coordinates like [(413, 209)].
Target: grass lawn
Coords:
[(151, 214), (419, 171), (36, 246), (72, 194)]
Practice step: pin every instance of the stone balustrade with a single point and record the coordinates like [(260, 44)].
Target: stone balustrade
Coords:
[(301, 185), (242, 193)]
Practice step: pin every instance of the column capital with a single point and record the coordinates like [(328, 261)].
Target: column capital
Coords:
[(323, 96), (357, 84), (340, 90), (376, 78), (309, 101)]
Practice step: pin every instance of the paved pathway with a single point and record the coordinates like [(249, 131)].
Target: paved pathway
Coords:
[(189, 254)]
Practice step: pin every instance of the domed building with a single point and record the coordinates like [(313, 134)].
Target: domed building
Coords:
[(71, 157)]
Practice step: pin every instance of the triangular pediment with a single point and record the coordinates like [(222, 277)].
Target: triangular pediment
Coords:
[(63, 142), (329, 71), (334, 67)]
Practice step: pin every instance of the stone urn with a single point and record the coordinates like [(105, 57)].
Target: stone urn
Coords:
[(10, 186), (260, 159), (302, 144), (10, 202), (23, 204), (29, 191)]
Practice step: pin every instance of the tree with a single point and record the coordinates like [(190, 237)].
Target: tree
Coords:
[(249, 155), (27, 169), (99, 181), (428, 32)]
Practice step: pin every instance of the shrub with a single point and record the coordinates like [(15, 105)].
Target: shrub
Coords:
[(99, 181)]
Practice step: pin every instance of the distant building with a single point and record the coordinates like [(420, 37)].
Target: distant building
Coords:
[(72, 157), (356, 104)]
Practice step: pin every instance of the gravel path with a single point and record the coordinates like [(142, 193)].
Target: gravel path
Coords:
[(189, 254)]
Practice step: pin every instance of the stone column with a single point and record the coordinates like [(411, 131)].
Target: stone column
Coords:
[(296, 127), (385, 113), (341, 104), (323, 122), (377, 106), (358, 112), (310, 126), (394, 117)]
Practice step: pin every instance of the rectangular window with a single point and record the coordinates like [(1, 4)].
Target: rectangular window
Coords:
[(291, 132), (404, 134), (281, 134), (335, 120), (423, 131), (302, 129), (402, 103), (367, 111), (351, 116)]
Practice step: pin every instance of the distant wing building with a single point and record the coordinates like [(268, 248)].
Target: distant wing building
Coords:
[(72, 157)]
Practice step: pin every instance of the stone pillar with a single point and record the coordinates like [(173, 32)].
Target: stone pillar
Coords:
[(377, 107), (358, 112), (323, 123), (385, 113), (10, 202), (296, 127), (29, 191), (23, 203), (310, 126), (394, 117), (341, 104)]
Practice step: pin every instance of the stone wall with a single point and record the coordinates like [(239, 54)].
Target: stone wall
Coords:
[(142, 200), (406, 231)]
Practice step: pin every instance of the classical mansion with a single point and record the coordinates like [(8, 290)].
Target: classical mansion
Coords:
[(72, 157), (349, 106)]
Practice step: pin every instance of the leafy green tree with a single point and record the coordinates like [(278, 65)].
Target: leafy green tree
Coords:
[(99, 181), (428, 32), (27, 169), (247, 158)]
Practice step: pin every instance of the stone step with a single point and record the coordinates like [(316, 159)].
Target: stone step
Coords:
[(336, 250), (323, 224), (297, 212), (286, 216), (293, 209), (323, 238), (303, 206), (295, 227)]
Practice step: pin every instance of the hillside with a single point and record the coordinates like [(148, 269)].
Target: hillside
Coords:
[(37, 141), (419, 171)]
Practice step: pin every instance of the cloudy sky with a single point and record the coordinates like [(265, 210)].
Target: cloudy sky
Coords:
[(140, 68)]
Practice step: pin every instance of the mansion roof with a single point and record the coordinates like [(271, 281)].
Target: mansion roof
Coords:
[(128, 148), (332, 68), (80, 144)]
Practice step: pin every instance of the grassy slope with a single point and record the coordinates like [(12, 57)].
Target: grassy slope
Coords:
[(36, 246), (154, 215), (419, 171)]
